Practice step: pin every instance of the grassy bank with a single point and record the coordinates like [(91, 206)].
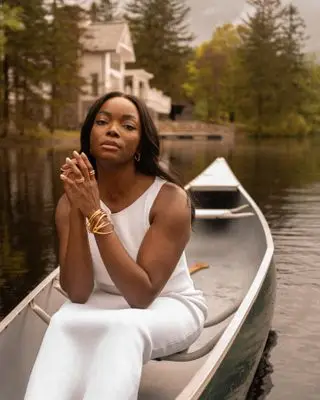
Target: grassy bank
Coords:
[(60, 138), (294, 126)]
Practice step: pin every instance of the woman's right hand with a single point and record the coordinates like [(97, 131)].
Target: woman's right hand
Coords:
[(66, 168), (67, 171)]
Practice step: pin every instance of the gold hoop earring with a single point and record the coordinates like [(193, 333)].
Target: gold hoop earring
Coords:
[(137, 157)]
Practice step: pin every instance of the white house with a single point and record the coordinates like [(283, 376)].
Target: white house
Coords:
[(107, 49), (137, 82)]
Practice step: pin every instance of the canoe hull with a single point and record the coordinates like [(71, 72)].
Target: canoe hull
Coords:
[(234, 376)]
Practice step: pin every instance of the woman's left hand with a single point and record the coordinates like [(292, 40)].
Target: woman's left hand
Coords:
[(80, 185)]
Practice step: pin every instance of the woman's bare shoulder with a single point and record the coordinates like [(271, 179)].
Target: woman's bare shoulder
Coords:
[(172, 199), (171, 191)]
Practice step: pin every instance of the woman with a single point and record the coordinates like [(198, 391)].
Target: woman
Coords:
[(123, 225)]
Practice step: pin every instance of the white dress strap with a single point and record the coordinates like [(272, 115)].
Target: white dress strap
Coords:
[(152, 195)]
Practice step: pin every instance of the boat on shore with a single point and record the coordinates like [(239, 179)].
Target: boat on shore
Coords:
[(231, 254)]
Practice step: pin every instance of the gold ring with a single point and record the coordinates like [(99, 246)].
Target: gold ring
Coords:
[(81, 180), (92, 172)]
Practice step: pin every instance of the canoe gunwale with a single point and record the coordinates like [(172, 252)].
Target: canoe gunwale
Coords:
[(206, 372), (27, 301)]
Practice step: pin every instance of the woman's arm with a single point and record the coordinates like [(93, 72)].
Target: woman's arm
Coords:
[(76, 273), (140, 282)]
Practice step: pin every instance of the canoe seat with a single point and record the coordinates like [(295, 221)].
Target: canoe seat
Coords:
[(232, 213), (185, 355)]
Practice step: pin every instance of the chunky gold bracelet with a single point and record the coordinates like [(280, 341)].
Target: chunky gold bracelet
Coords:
[(96, 223)]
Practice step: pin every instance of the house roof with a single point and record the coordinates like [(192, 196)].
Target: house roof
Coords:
[(140, 73), (104, 36)]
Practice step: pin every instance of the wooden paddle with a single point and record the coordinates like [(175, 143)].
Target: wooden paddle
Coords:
[(198, 266)]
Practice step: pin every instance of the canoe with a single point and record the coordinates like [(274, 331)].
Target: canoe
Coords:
[(231, 254)]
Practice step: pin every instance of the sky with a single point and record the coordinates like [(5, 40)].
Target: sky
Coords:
[(207, 14)]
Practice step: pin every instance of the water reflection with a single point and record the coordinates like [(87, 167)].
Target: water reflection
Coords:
[(27, 245), (188, 158), (262, 383), (282, 176)]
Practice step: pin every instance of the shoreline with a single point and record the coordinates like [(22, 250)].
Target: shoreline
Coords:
[(31, 141), (227, 133), (67, 139)]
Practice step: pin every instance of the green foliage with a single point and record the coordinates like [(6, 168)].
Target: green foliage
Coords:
[(40, 64), (63, 50), (10, 19), (212, 74), (258, 72), (161, 40)]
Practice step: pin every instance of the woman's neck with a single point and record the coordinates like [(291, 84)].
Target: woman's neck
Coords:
[(116, 182)]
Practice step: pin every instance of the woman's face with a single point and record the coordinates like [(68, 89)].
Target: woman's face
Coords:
[(115, 134)]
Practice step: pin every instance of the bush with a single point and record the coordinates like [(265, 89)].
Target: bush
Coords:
[(295, 125)]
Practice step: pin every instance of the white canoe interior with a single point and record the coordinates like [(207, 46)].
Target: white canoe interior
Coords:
[(232, 238)]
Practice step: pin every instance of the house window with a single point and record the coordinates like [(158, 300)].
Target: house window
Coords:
[(115, 83), (115, 61), (94, 84)]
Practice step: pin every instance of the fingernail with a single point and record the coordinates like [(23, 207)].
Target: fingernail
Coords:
[(83, 155), (76, 153), (68, 160), (62, 177)]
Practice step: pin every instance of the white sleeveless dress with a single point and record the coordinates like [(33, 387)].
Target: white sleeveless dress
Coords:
[(95, 351)]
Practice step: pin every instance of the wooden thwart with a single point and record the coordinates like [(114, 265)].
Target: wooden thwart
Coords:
[(232, 213)]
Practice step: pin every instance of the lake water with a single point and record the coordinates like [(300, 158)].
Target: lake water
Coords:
[(284, 179)]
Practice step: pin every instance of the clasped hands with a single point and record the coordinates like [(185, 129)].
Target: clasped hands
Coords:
[(80, 185)]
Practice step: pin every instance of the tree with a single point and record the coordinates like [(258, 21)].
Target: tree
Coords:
[(273, 61), (293, 68), (10, 19), (259, 56), (41, 65), (63, 52), (161, 40), (310, 104), (104, 11), (23, 63), (258, 71), (212, 74)]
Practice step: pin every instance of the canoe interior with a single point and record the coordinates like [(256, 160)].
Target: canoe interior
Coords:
[(233, 249)]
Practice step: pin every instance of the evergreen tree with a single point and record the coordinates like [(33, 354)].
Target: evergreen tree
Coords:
[(63, 51), (273, 61), (292, 61), (161, 41), (9, 20), (41, 64), (259, 55), (104, 11), (24, 62)]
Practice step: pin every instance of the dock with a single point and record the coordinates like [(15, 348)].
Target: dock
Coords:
[(190, 135), (194, 130)]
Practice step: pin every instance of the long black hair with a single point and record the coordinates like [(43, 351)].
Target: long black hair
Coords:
[(149, 147)]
